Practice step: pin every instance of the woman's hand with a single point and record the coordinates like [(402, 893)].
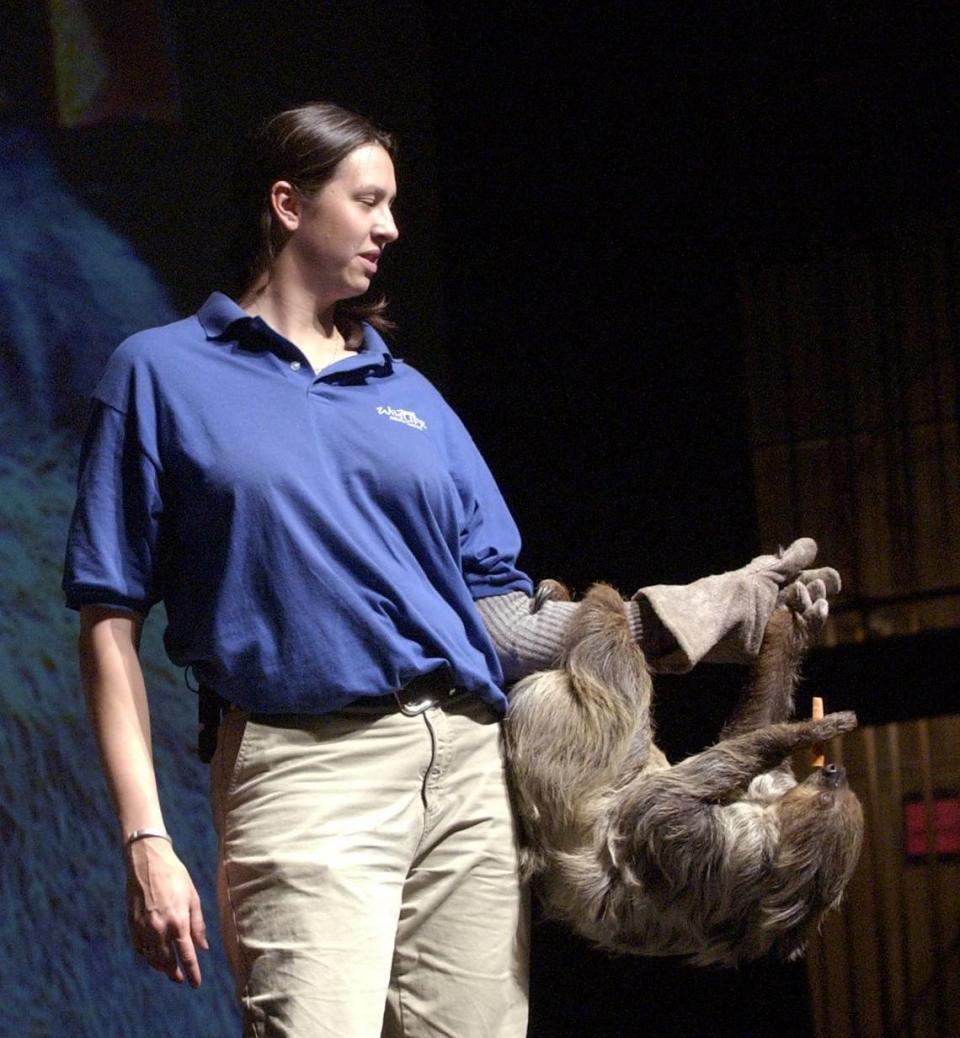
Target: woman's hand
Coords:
[(163, 909)]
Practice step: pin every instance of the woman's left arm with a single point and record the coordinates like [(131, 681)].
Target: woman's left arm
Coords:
[(720, 618), (529, 635)]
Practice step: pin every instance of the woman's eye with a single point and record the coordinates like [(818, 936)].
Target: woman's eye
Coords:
[(368, 201)]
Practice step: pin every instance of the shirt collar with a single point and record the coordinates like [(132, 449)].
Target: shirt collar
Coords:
[(220, 317), (218, 313)]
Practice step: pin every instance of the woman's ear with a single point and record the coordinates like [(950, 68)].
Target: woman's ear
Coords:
[(285, 205)]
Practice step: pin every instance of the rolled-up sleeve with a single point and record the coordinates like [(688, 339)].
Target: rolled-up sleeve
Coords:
[(529, 636), (489, 548), (111, 554), (489, 539)]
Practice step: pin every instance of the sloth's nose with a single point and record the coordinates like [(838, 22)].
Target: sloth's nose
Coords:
[(834, 775)]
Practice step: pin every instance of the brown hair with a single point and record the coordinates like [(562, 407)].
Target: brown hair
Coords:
[(303, 145)]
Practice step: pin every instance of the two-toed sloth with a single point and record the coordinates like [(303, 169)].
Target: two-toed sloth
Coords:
[(722, 856)]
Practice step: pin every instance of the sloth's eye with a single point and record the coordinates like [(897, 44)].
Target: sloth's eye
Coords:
[(824, 799)]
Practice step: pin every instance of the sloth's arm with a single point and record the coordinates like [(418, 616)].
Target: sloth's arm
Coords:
[(666, 818), (768, 697), (724, 770)]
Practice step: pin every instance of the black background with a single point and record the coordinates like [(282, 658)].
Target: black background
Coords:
[(576, 184)]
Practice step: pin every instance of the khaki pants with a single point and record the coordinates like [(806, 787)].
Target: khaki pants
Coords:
[(368, 874)]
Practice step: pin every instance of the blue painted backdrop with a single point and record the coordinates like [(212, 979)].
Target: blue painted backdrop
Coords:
[(70, 289)]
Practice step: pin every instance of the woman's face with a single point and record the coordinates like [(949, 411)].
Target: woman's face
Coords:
[(340, 232)]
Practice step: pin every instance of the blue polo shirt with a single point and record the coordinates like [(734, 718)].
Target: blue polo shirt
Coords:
[(313, 538)]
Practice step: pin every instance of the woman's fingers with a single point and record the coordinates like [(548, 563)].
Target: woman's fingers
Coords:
[(198, 928), (166, 920), (189, 964), (173, 953)]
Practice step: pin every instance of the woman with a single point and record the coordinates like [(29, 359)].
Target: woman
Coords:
[(338, 565)]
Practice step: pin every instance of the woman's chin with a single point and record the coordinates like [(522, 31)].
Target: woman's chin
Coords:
[(355, 286)]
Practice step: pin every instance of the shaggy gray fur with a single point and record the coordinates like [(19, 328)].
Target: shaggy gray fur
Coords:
[(721, 857)]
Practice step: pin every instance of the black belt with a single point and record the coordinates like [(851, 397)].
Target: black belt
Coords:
[(418, 695)]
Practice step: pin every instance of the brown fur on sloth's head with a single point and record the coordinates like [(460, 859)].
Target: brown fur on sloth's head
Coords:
[(821, 833)]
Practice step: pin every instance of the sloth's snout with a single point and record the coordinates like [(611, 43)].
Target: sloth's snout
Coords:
[(833, 775)]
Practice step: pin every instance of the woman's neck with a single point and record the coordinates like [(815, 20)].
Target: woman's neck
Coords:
[(299, 318), (296, 315)]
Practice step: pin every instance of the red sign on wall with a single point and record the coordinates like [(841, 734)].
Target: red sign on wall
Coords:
[(945, 827)]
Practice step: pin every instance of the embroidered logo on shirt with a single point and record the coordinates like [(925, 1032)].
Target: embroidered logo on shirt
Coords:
[(398, 414)]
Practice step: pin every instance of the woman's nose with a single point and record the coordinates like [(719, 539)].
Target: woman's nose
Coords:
[(387, 230)]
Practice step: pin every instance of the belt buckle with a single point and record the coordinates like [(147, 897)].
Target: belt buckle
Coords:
[(414, 707), (424, 691)]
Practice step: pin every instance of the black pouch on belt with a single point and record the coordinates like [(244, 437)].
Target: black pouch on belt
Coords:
[(210, 711)]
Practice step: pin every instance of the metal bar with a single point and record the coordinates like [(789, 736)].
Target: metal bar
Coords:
[(953, 304), (892, 424), (817, 973), (940, 971), (850, 461), (938, 366), (850, 937), (932, 868), (787, 334), (896, 456), (902, 517), (878, 877), (899, 843), (862, 602)]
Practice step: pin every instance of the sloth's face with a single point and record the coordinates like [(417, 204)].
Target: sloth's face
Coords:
[(821, 833), (829, 777), (821, 824)]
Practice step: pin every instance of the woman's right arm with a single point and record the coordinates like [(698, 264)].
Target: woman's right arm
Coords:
[(166, 921)]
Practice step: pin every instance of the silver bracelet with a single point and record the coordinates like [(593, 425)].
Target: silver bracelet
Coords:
[(143, 834)]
